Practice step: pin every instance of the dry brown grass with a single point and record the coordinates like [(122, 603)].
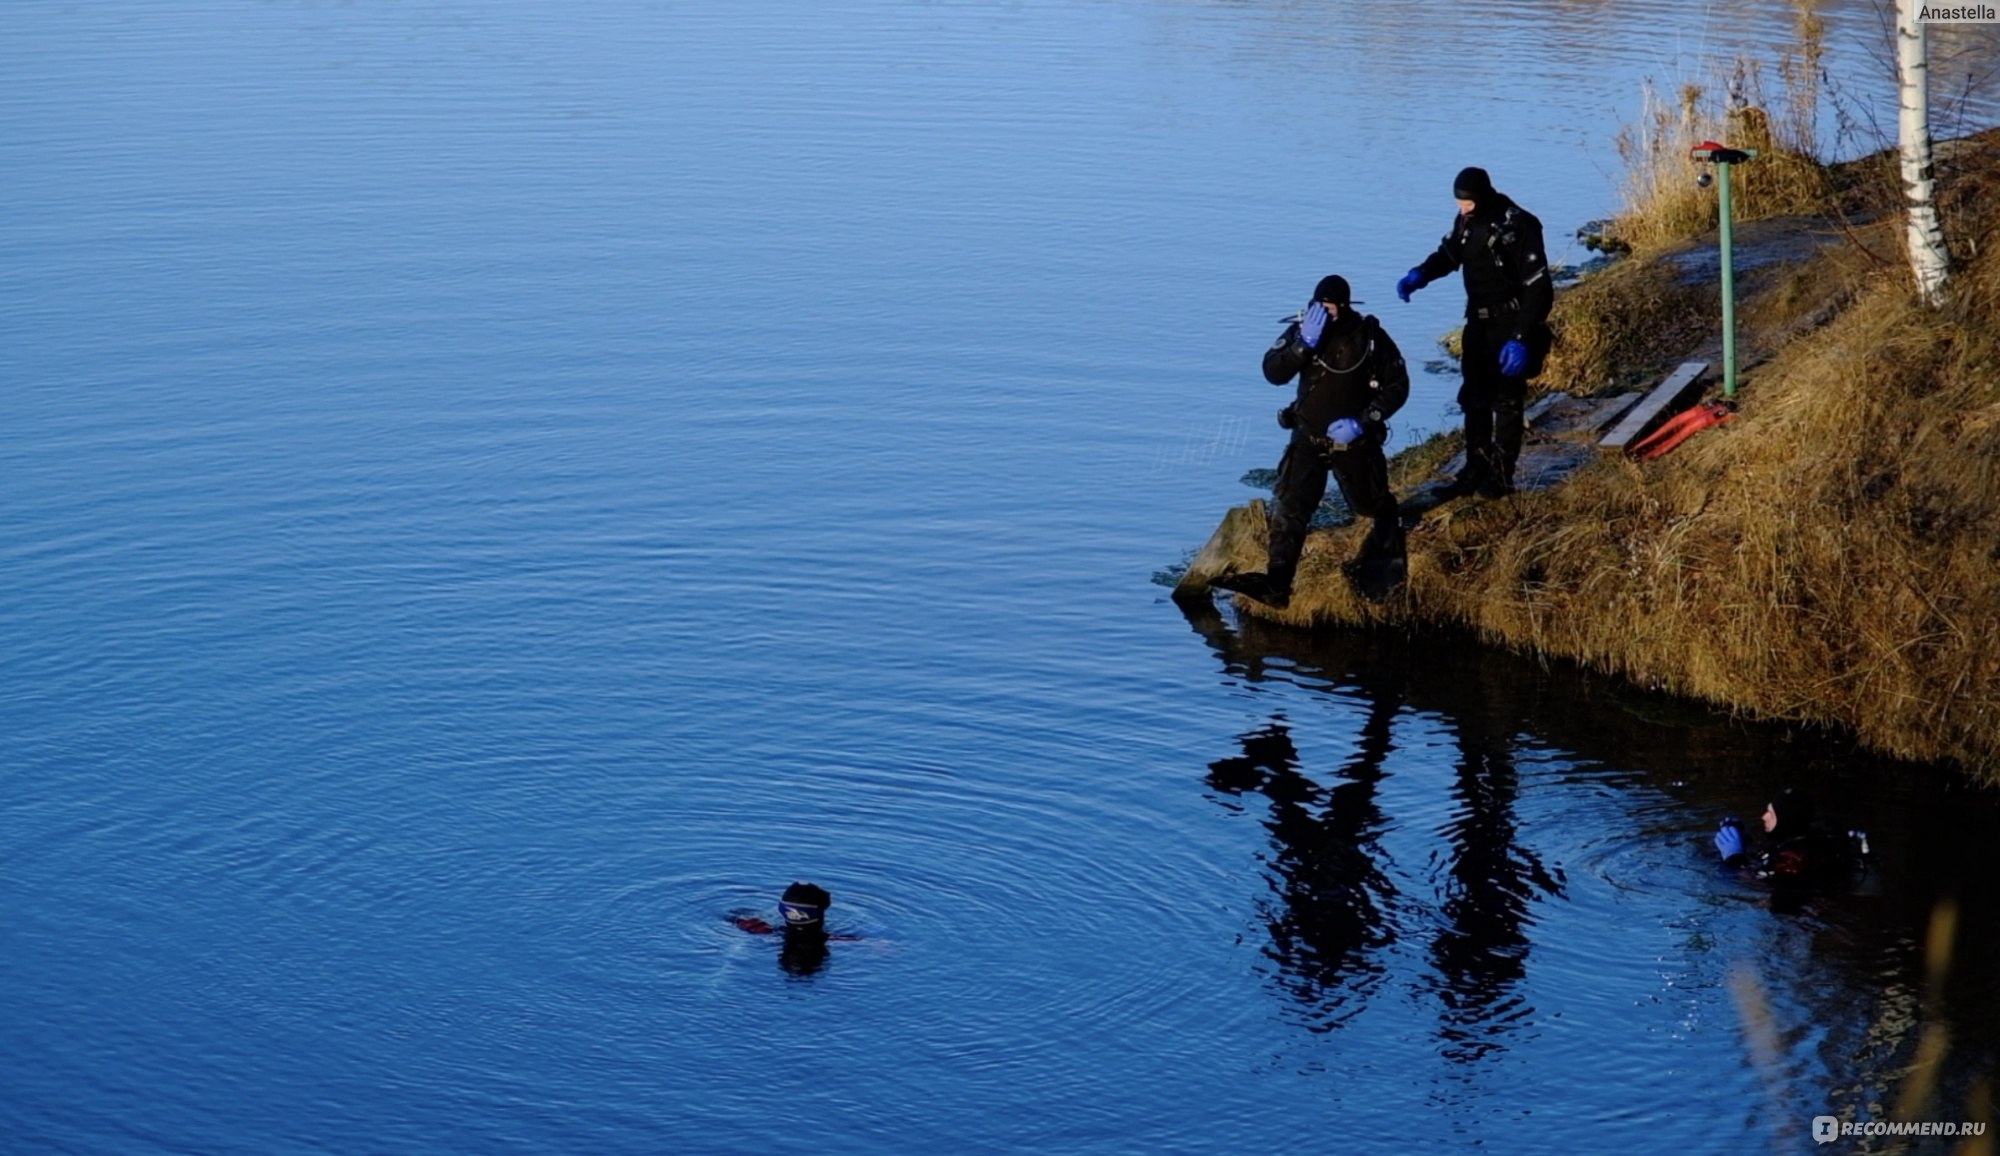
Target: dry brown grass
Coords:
[(1423, 460), (1831, 556), (1662, 203), (1630, 321), (1621, 323)]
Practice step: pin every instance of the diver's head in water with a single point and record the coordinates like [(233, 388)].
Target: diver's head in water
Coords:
[(1790, 814), (804, 907)]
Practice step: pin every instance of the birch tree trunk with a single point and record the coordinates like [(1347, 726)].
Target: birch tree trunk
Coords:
[(1928, 260)]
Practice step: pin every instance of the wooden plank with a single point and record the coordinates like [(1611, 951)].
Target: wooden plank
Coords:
[(1663, 395), (1542, 405), (1602, 415)]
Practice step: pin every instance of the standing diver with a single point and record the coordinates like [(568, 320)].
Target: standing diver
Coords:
[(1351, 378), (1508, 295)]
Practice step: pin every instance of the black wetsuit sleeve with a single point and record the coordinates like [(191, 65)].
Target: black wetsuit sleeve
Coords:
[(1286, 356), (1527, 261), (1450, 254)]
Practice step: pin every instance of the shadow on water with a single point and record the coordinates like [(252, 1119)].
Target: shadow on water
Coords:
[(1337, 906), (1481, 952), (1333, 900), (1638, 782)]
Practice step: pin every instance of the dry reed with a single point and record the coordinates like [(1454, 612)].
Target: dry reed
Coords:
[(1663, 204), (1828, 557)]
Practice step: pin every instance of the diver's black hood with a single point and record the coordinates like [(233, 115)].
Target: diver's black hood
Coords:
[(1794, 809), (1472, 184)]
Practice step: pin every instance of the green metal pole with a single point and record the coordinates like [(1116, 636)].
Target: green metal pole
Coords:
[(1728, 291)]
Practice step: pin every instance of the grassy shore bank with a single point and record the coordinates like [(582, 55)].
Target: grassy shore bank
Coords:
[(1832, 556)]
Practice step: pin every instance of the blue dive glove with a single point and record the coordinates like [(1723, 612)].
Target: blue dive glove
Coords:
[(1312, 323), (1411, 282), (1513, 359), (1728, 840), (1345, 432)]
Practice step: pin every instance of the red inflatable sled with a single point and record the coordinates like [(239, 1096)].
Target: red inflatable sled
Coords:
[(1680, 428)]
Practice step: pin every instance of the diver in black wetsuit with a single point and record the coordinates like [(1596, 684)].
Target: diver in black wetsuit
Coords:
[(803, 907), (1797, 853), (1351, 379), (1508, 295)]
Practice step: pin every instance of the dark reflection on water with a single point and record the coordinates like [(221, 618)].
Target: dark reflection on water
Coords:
[(1332, 902), (494, 486), (1827, 995), (1337, 906), (1481, 953)]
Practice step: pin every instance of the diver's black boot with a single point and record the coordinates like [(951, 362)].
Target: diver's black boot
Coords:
[(1499, 481), (1256, 586), (1485, 474), (1459, 486), (1509, 431), (1381, 567), (1477, 472), (1385, 537)]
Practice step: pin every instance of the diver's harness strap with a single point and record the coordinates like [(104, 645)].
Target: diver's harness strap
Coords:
[(1374, 414), (1375, 417), (1367, 352)]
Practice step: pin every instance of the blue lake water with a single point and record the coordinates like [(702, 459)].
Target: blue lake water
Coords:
[(493, 489)]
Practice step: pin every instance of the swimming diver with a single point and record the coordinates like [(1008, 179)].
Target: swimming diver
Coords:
[(1798, 854), (803, 910)]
